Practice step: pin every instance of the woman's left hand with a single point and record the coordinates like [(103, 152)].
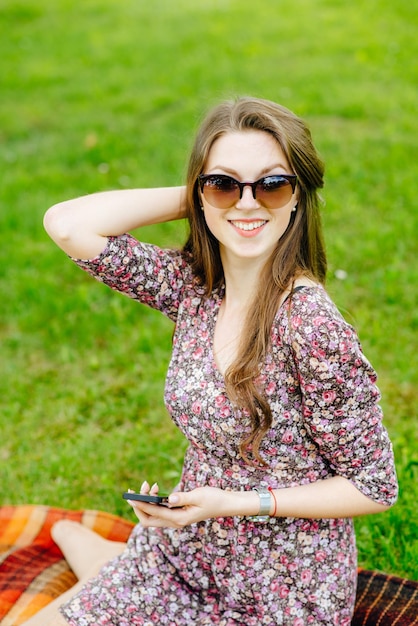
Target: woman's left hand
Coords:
[(194, 506)]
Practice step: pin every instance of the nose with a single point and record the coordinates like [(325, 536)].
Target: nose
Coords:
[(247, 200)]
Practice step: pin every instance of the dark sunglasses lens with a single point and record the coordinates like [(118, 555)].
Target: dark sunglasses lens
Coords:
[(221, 191), (274, 191)]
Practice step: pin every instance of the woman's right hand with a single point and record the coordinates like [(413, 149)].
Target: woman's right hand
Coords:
[(81, 226)]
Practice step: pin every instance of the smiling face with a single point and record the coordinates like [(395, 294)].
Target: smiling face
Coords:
[(247, 230)]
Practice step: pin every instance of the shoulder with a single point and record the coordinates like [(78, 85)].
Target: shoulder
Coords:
[(308, 314), (311, 303)]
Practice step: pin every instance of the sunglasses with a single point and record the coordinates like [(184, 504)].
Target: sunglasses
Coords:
[(272, 192)]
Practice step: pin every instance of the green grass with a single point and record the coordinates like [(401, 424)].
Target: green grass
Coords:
[(100, 95)]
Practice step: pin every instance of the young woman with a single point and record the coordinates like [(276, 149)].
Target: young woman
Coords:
[(267, 381)]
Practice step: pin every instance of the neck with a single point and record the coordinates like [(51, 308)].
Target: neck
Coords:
[(241, 284)]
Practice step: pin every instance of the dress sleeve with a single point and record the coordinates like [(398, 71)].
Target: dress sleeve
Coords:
[(340, 399), (144, 272)]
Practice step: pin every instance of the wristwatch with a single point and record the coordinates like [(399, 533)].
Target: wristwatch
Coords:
[(263, 515)]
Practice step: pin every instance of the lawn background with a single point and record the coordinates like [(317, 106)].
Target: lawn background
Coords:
[(100, 95)]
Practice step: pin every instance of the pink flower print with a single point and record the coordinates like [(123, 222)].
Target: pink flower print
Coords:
[(198, 353), (296, 321), (298, 622), (184, 419), (329, 396), (287, 436), (225, 411), (229, 522), (283, 591), (120, 272), (221, 563), (318, 321), (248, 561), (306, 576), (220, 400), (320, 556), (196, 407), (271, 388)]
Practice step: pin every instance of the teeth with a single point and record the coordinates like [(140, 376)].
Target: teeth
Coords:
[(249, 225)]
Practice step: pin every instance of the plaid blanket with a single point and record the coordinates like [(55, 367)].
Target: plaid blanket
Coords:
[(32, 568), (33, 571)]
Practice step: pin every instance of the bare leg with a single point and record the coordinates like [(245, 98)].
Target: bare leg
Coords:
[(84, 549), (86, 552)]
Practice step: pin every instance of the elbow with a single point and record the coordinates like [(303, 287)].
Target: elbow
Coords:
[(56, 223), (372, 507), (381, 508), (375, 498)]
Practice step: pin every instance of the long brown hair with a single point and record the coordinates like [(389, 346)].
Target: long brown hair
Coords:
[(300, 250)]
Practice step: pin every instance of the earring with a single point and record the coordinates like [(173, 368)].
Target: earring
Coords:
[(294, 208)]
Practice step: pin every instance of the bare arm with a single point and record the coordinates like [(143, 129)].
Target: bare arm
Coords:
[(81, 226), (335, 497)]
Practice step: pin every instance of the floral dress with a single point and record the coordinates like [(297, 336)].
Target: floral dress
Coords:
[(326, 421)]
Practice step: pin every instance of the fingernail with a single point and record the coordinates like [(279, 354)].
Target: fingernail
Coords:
[(173, 499), (154, 486), (144, 485)]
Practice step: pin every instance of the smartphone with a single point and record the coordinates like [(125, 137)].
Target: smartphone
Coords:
[(157, 499)]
